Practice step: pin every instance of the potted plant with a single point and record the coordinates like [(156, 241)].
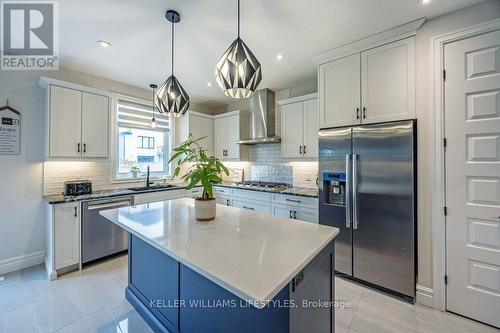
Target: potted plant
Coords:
[(201, 168), (135, 171)]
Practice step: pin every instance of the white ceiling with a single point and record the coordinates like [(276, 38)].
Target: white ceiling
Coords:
[(140, 36)]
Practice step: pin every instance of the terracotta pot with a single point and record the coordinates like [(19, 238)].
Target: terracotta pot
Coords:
[(204, 210)]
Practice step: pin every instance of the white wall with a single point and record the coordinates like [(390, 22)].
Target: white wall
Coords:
[(440, 25)]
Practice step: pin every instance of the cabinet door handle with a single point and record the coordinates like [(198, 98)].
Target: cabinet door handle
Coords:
[(76, 212), (227, 202), (84, 147), (357, 113), (294, 214), (246, 207), (300, 150), (291, 214), (304, 150), (78, 147), (364, 112)]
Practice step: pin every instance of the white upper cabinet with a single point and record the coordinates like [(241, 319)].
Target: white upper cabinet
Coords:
[(371, 86), (291, 129), (95, 125), (200, 126), (299, 127), (340, 95), (311, 128), (79, 123), (65, 122), (229, 128), (388, 82)]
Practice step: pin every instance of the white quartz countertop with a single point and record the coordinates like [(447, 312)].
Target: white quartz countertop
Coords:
[(251, 255)]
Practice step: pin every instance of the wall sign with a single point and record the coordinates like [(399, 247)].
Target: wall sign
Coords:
[(10, 131)]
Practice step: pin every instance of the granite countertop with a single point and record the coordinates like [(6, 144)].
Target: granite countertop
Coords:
[(300, 191), (59, 198), (268, 251)]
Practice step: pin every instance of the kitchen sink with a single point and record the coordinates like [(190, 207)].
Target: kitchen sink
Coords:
[(152, 188)]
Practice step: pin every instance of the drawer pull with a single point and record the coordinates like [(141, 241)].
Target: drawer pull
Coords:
[(290, 200), (246, 207)]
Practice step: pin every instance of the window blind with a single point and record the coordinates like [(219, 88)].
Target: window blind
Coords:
[(139, 115)]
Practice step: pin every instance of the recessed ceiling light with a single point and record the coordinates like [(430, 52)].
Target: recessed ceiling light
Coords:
[(279, 56), (104, 44), (209, 84)]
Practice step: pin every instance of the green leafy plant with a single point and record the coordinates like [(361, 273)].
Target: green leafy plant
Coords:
[(135, 168), (202, 168)]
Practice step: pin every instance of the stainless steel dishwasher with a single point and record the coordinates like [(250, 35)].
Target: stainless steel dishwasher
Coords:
[(102, 238)]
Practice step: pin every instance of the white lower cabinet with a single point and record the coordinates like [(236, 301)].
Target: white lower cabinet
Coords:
[(195, 192), (257, 206), (288, 206), (63, 238), (144, 198)]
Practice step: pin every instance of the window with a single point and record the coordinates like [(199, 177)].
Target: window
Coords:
[(146, 142), (137, 143)]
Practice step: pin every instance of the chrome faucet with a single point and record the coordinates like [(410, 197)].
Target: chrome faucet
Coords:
[(147, 177)]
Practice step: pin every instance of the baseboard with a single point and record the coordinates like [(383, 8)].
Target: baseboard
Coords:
[(20, 262), (425, 296)]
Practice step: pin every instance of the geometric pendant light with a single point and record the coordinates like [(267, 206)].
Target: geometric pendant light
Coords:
[(171, 98), (238, 72)]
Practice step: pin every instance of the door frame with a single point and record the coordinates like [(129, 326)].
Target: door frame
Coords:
[(438, 193)]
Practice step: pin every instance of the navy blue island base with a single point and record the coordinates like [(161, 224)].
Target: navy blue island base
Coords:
[(172, 297)]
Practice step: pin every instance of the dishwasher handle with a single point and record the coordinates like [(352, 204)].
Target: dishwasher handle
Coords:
[(114, 204)]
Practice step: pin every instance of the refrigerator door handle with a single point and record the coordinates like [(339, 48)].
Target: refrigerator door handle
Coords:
[(355, 191), (348, 190)]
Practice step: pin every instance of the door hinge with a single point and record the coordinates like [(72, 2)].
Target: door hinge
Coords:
[(444, 74), (445, 210), (445, 142), (446, 279)]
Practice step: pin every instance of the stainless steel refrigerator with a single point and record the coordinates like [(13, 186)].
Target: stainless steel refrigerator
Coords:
[(368, 190)]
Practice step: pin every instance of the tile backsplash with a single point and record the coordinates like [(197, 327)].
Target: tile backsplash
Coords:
[(266, 165)]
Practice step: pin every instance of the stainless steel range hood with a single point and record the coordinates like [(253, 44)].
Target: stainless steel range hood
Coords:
[(262, 119)]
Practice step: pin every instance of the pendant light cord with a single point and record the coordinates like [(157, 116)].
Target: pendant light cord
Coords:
[(238, 19), (153, 103), (173, 48)]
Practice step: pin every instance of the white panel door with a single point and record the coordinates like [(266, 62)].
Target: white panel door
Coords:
[(311, 128), (66, 234), (472, 129), (219, 137), (308, 215), (282, 210), (233, 136), (292, 130), (95, 125), (65, 112), (388, 82), (195, 126), (339, 91), (207, 131)]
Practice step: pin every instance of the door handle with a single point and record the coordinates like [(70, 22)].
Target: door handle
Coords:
[(364, 112), (355, 191), (348, 190), (76, 212), (291, 214), (357, 113), (246, 207), (84, 147), (78, 145), (304, 150), (294, 214), (300, 150), (227, 202)]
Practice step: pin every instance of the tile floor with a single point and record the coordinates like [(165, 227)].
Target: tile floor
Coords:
[(93, 301)]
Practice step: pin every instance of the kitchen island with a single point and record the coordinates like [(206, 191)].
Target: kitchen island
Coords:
[(242, 272)]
